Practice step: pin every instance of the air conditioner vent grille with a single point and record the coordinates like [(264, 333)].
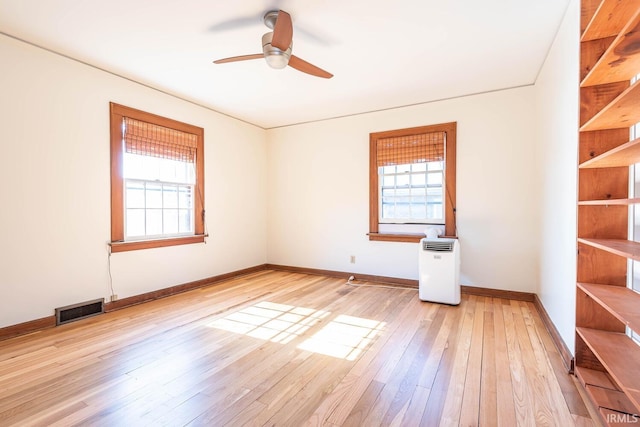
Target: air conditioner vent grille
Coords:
[(437, 246)]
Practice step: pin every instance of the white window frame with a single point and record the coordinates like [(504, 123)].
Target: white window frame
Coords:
[(118, 242), (162, 235)]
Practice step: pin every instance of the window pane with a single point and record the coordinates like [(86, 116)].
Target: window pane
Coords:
[(167, 170), (154, 222), (435, 166), (185, 224), (418, 211), (154, 195), (388, 180), (388, 195), (434, 178), (170, 221), (184, 197), (134, 222), (404, 168), (176, 171), (403, 192), (387, 169), (402, 210), (418, 179), (435, 211), (402, 180), (136, 166), (170, 196), (134, 194), (132, 164), (418, 195), (435, 194), (414, 194), (150, 168), (388, 211)]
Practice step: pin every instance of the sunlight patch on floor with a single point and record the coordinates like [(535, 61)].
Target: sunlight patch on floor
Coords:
[(270, 321), (344, 337)]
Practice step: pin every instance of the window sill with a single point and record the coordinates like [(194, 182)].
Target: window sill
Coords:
[(404, 237), (392, 237), (158, 243)]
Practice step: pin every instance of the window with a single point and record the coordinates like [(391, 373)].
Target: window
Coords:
[(157, 181), (412, 182)]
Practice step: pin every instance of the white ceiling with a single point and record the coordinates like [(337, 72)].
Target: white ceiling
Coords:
[(383, 54)]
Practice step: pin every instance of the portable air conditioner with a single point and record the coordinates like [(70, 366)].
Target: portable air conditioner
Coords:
[(439, 270)]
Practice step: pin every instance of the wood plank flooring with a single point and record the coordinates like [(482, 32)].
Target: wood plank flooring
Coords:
[(288, 349)]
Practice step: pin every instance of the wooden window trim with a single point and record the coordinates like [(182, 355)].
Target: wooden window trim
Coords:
[(117, 112), (450, 181)]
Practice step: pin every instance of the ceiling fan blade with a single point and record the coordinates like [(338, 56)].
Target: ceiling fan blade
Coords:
[(283, 31), (239, 58), (235, 23), (305, 67)]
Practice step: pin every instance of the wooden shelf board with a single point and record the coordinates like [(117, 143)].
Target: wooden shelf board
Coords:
[(596, 378), (610, 18), (620, 301), (620, 356), (620, 61), (622, 112), (623, 155), (609, 202), (610, 399), (625, 248)]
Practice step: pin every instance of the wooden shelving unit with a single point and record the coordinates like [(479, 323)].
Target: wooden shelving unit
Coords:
[(615, 350), (602, 19), (607, 359), (621, 302), (619, 156), (619, 113), (615, 64), (609, 202), (601, 388), (625, 248)]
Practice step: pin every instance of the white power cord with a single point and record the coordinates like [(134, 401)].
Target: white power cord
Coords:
[(113, 292), (352, 278)]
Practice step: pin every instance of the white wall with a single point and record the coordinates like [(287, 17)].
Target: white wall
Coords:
[(319, 189), (55, 215), (558, 106), (516, 188)]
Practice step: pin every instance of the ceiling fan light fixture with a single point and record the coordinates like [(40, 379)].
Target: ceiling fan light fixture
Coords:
[(277, 45), (277, 60), (275, 57)]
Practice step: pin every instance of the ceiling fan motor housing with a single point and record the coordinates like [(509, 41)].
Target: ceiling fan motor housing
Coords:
[(276, 58)]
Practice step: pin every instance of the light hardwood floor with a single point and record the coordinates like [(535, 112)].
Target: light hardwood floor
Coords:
[(288, 349)]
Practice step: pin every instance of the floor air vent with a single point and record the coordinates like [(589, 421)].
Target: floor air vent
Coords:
[(79, 311)]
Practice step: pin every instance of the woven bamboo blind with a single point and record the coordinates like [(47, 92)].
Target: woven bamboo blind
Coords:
[(420, 148), (152, 140)]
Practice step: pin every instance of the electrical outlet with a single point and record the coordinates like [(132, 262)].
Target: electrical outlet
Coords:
[(114, 297), (352, 259)]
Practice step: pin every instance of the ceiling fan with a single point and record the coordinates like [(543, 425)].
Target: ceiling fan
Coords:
[(276, 47)]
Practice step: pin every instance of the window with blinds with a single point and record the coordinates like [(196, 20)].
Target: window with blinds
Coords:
[(411, 178), (157, 180), (412, 181)]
